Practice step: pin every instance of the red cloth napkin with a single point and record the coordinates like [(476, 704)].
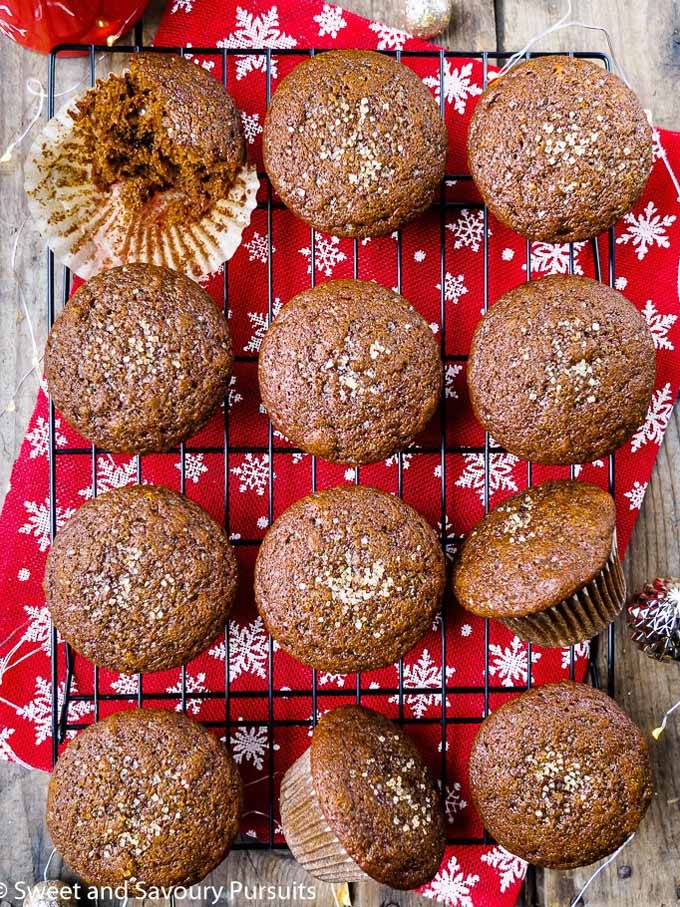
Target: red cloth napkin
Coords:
[(647, 246)]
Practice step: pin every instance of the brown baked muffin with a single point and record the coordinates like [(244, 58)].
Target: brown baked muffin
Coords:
[(560, 776), (544, 562), (140, 579), (562, 370), (559, 148), (349, 579), (354, 143), (165, 124), (139, 359), (147, 797), (360, 803), (350, 371)]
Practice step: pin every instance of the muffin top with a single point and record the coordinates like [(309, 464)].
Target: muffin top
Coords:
[(536, 549), (562, 370), (145, 796), (560, 776), (354, 143), (164, 126), (378, 796), (350, 371), (139, 359), (140, 579), (559, 148), (349, 579)]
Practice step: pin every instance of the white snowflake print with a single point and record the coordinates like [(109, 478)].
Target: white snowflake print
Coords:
[(253, 473), (262, 522), (39, 628), (451, 539), (508, 254), (251, 126), (126, 684), (350, 474), (248, 650), (38, 523), (636, 494), (327, 255), (258, 248), (24, 574), (419, 255), (458, 86), (578, 467), (6, 751), (466, 630), (659, 325), (185, 6), (39, 437), (195, 683), (424, 673), (453, 802), (581, 650), (451, 372), (405, 459), (646, 230), (511, 664), (554, 258), (249, 744), (658, 414), (389, 38), (233, 396), (501, 478), (39, 710), (111, 475), (330, 21), (510, 868), (454, 287), (256, 31), (260, 322), (194, 467), (452, 885), (468, 230), (326, 679)]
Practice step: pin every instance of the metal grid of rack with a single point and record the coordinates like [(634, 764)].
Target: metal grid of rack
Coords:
[(62, 669)]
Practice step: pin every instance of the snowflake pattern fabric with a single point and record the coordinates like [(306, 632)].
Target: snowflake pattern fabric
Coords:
[(236, 493)]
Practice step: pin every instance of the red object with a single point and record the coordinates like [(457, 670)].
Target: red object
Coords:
[(42, 24), (648, 244)]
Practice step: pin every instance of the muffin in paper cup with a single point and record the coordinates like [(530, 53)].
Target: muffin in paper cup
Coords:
[(147, 166), (361, 804), (545, 564)]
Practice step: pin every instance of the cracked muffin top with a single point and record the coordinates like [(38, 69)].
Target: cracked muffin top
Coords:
[(559, 148), (354, 143), (350, 371)]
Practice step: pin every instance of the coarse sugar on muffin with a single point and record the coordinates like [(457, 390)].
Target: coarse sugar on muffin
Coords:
[(139, 359), (350, 371), (545, 563), (562, 370), (354, 143), (360, 803), (164, 126), (145, 797), (560, 776), (559, 148), (140, 579), (349, 579)]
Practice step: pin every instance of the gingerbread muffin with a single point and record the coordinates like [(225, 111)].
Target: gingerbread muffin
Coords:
[(560, 776), (545, 563), (559, 148), (140, 579), (165, 124), (349, 579), (361, 804), (139, 359), (562, 370), (354, 143), (145, 797), (350, 371)]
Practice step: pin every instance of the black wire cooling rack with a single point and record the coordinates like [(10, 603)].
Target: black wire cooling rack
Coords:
[(62, 669)]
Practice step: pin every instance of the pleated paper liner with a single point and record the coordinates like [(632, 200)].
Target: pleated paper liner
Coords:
[(90, 230), (582, 615), (307, 832)]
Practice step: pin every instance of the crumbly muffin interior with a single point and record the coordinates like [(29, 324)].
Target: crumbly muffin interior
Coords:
[(131, 145)]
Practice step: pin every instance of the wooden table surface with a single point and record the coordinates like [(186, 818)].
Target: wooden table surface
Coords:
[(647, 43)]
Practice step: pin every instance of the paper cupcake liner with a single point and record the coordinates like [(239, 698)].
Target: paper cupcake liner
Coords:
[(306, 830), (580, 617), (90, 230)]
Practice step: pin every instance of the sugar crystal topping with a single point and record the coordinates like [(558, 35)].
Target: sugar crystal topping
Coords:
[(562, 780)]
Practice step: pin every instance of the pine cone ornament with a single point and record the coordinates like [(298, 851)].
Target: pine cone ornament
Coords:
[(654, 619)]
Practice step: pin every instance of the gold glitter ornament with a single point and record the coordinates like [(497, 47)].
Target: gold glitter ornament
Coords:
[(425, 18)]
